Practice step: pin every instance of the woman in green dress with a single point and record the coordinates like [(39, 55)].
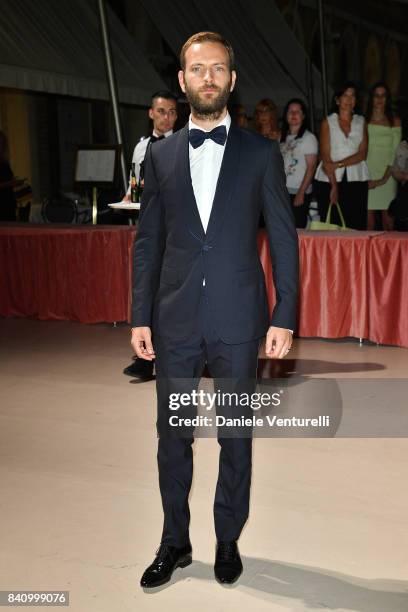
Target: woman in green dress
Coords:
[(384, 135)]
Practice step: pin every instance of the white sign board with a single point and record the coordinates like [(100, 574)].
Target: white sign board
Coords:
[(95, 166)]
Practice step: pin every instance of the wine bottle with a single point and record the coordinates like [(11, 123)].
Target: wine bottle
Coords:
[(140, 186), (133, 186)]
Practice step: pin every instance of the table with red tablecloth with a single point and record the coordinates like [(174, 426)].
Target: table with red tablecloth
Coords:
[(388, 289), (351, 283), (77, 273), (334, 272)]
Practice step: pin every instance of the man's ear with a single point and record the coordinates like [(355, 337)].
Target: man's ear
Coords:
[(233, 79), (151, 116), (181, 81)]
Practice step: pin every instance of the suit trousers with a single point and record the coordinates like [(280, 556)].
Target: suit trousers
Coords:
[(182, 363)]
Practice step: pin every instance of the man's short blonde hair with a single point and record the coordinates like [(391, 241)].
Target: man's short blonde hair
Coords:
[(201, 37)]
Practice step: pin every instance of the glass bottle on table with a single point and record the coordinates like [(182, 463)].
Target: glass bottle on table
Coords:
[(140, 184), (133, 186)]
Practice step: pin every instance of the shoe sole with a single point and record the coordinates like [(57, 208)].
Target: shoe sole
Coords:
[(183, 562), (227, 583), (150, 377), (136, 380)]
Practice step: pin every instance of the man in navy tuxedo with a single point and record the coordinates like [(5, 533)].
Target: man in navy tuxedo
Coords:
[(199, 292)]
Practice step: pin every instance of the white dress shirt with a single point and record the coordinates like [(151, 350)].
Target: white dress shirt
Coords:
[(205, 165), (139, 153)]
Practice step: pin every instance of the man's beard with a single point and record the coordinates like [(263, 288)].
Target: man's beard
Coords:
[(208, 109)]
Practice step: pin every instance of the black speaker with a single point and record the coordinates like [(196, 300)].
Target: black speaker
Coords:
[(59, 210)]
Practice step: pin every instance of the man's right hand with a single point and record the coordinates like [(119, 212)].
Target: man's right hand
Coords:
[(126, 198), (141, 342)]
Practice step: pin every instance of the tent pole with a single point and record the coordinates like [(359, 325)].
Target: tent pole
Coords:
[(309, 80), (323, 57), (113, 88)]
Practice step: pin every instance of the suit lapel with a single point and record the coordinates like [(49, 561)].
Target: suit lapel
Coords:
[(226, 181), (185, 187)]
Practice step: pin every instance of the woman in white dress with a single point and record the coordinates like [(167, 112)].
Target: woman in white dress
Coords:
[(342, 176)]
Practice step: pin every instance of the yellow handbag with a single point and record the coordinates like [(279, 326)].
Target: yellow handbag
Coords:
[(326, 225)]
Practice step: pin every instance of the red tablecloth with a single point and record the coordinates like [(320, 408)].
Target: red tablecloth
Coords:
[(333, 300), (334, 269), (351, 283), (65, 272), (388, 289)]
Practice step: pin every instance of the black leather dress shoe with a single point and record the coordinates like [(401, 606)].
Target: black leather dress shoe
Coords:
[(228, 564), (166, 561), (140, 368)]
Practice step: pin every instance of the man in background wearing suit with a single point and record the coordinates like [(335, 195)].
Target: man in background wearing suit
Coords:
[(199, 292)]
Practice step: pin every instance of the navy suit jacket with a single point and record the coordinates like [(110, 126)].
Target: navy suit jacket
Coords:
[(172, 252)]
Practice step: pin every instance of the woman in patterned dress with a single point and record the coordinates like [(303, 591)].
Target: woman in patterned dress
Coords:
[(299, 151)]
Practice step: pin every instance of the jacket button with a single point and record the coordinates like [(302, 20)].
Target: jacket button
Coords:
[(206, 247)]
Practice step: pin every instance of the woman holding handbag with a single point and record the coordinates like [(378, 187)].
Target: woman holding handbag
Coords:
[(342, 175)]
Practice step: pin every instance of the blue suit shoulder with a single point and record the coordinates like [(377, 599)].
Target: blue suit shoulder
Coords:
[(162, 149), (169, 141)]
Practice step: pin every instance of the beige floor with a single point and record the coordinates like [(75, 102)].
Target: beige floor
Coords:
[(80, 508)]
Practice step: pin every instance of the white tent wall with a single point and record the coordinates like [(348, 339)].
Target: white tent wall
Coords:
[(270, 60), (285, 47), (49, 47), (55, 47)]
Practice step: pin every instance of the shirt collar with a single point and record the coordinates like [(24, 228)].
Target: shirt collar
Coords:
[(226, 121), (165, 133)]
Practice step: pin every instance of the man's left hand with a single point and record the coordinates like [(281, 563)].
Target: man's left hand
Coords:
[(278, 342)]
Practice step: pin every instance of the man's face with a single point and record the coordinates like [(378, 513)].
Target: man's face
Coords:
[(163, 114), (207, 80)]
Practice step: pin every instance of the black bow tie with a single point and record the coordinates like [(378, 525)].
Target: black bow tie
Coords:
[(153, 138), (218, 135)]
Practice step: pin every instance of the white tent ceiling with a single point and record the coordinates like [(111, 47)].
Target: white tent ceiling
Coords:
[(270, 60), (55, 47)]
